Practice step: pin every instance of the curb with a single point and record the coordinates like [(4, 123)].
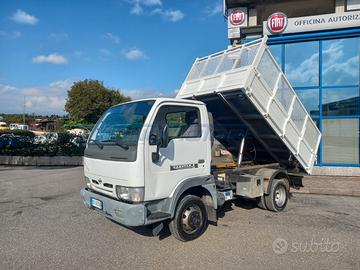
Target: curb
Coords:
[(41, 161)]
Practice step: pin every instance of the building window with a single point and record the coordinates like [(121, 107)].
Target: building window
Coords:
[(340, 141), (325, 74), (310, 99), (302, 64), (352, 5), (276, 51), (340, 101), (341, 62)]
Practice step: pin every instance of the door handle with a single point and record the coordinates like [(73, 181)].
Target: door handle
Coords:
[(201, 161)]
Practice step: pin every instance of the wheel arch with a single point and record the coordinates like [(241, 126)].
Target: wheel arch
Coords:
[(270, 174), (203, 187)]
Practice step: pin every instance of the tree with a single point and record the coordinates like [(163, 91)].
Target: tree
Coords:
[(87, 100)]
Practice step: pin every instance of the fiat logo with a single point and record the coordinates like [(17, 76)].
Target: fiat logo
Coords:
[(237, 17), (277, 22)]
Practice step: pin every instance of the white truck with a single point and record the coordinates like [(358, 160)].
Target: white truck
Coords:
[(149, 161)]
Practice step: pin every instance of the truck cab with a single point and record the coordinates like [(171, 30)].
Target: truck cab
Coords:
[(142, 155)]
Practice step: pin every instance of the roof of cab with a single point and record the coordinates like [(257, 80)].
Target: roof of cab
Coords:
[(161, 100)]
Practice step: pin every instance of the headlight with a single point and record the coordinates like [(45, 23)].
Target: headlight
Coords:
[(131, 194), (87, 181)]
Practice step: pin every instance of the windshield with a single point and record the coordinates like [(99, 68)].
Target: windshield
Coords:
[(116, 134)]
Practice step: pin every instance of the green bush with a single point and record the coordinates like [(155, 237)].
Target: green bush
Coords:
[(18, 132), (24, 146)]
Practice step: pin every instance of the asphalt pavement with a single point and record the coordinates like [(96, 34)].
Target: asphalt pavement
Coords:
[(44, 225)]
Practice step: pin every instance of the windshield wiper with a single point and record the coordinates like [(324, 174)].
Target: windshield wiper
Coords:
[(97, 143), (122, 145)]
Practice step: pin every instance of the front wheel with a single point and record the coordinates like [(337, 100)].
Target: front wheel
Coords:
[(190, 220), (278, 197)]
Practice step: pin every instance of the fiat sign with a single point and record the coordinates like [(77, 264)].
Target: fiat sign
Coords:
[(237, 17), (277, 22)]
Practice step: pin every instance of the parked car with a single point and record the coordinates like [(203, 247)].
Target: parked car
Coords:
[(3, 126), (14, 126), (23, 127), (6, 139)]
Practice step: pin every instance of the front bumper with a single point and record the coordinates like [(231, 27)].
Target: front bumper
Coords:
[(126, 214)]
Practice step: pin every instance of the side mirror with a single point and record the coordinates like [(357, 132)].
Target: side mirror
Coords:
[(164, 137), (159, 142), (154, 140)]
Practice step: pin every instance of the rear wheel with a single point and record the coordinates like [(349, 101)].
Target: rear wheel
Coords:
[(278, 197), (190, 220)]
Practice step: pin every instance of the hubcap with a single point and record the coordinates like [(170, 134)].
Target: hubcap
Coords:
[(191, 219), (280, 196)]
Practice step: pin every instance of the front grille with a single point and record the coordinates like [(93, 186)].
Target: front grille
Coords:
[(108, 185)]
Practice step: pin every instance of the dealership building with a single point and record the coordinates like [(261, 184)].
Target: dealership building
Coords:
[(317, 45)]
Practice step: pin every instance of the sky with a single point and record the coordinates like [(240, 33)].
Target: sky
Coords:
[(145, 48)]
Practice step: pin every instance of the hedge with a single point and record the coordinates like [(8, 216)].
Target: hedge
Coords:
[(24, 145), (18, 132)]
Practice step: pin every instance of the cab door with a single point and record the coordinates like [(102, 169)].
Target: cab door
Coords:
[(186, 152)]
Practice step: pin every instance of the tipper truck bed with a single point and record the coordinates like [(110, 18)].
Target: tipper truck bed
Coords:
[(149, 162), (246, 91)]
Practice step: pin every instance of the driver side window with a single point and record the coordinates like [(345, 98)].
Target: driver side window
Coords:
[(180, 122)]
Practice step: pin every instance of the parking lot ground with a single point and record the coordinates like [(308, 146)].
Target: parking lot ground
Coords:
[(44, 225), (331, 185)]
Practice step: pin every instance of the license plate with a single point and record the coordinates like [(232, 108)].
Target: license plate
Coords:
[(96, 203)]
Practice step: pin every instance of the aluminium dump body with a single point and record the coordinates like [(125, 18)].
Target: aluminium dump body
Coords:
[(247, 93)]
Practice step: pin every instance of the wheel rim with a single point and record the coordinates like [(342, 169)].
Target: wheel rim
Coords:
[(192, 219), (280, 196)]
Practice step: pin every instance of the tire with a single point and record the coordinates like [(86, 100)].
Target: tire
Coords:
[(278, 197), (190, 220)]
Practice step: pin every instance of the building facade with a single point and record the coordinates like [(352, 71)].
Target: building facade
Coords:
[(317, 45)]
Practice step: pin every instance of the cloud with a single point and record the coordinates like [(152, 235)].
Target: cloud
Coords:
[(216, 8), (105, 52), (79, 53), (146, 2), (151, 2), (48, 104), (22, 17), (113, 38), (5, 89), (59, 36), (53, 58), (137, 9), (169, 14), (48, 99), (134, 54), (140, 7), (12, 35), (61, 85), (16, 34)]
